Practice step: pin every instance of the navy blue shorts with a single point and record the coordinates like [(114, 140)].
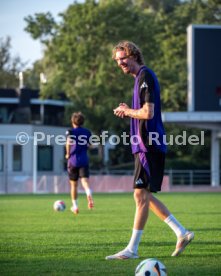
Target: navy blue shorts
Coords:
[(75, 173), (152, 182)]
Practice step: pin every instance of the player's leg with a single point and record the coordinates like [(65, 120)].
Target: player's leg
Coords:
[(74, 196), (140, 218), (141, 197), (156, 161), (84, 175), (184, 237), (85, 184), (73, 180), (160, 210)]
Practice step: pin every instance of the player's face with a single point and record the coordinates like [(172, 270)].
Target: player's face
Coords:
[(125, 62)]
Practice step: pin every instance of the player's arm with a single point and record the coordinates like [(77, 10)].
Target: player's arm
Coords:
[(144, 113), (68, 144), (68, 147)]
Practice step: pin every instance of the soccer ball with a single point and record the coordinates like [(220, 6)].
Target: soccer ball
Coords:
[(151, 267), (59, 205)]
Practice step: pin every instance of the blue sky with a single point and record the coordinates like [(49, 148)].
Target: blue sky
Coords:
[(12, 13)]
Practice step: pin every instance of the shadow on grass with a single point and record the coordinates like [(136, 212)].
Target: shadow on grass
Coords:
[(71, 266), (206, 229), (196, 213)]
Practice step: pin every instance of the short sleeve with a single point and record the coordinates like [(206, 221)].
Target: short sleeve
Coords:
[(146, 88)]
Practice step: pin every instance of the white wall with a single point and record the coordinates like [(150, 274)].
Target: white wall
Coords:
[(8, 133)]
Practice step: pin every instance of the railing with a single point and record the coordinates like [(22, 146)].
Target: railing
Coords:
[(51, 183), (176, 177), (189, 177)]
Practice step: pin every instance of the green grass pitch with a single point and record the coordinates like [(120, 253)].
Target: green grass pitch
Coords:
[(35, 240)]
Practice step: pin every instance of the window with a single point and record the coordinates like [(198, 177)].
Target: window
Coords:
[(17, 158), (45, 158)]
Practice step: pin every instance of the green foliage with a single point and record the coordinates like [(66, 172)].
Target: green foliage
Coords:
[(78, 60), (78, 54), (157, 5), (172, 65), (187, 156), (32, 76), (40, 26), (9, 66)]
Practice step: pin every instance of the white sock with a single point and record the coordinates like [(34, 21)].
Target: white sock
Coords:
[(88, 192), (135, 240), (174, 224), (75, 204)]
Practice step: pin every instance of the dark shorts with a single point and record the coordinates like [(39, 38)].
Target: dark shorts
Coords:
[(75, 173), (152, 182)]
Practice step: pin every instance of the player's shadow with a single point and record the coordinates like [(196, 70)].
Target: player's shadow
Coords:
[(160, 243), (195, 241), (198, 213), (206, 229)]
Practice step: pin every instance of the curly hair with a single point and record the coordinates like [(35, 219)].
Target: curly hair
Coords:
[(130, 49), (77, 118)]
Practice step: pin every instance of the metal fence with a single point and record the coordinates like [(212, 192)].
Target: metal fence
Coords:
[(176, 177), (189, 177), (102, 181)]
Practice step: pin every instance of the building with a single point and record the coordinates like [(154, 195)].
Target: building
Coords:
[(32, 139)]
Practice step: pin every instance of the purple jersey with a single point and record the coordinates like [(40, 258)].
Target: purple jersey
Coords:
[(150, 132), (78, 153)]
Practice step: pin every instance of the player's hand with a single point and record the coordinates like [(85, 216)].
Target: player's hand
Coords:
[(125, 106), (120, 111), (67, 156)]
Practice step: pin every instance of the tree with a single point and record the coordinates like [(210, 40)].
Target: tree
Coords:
[(156, 6), (78, 60), (78, 57), (172, 38), (9, 66), (172, 70), (41, 26)]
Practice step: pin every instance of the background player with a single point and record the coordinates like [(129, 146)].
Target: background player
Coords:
[(78, 163)]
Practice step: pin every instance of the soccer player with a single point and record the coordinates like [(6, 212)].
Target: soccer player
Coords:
[(78, 164), (149, 154)]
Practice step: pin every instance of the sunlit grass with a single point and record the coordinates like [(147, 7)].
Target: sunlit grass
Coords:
[(35, 240)]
